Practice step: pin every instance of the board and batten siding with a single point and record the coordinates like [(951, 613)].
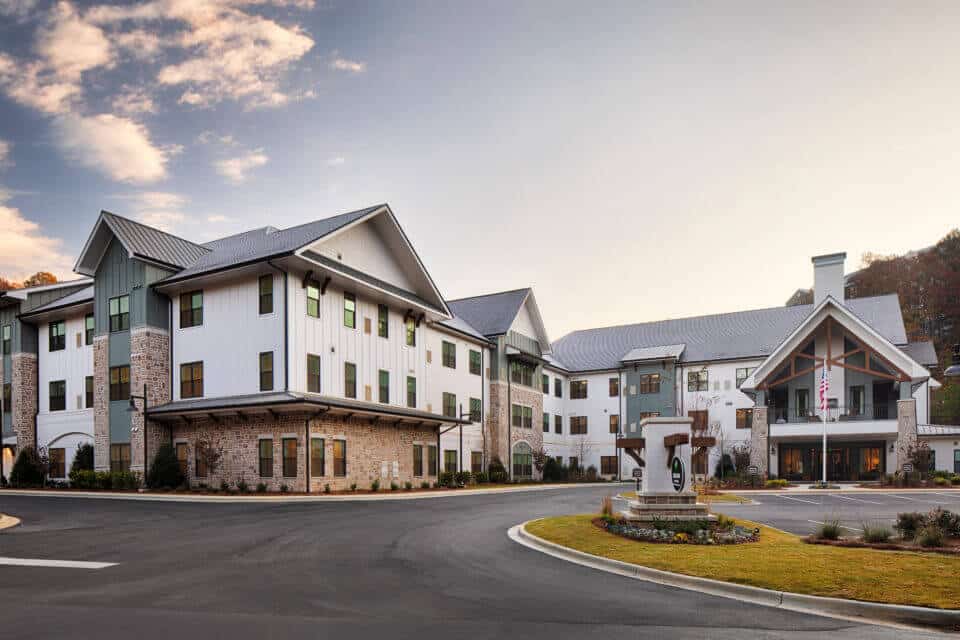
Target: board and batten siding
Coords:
[(72, 364), (118, 275), (231, 338)]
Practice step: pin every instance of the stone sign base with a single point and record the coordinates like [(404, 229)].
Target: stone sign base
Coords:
[(667, 506)]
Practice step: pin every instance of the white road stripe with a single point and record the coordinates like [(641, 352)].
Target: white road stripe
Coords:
[(56, 564), (947, 495), (841, 526), (854, 499), (890, 495), (797, 499)]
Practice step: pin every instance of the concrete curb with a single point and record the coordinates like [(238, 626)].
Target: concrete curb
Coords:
[(8, 521), (288, 499), (853, 610)]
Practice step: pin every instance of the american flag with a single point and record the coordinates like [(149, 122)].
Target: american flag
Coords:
[(824, 389)]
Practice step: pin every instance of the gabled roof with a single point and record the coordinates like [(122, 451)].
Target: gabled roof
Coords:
[(140, 241), (724, 336), (460, 325), (82, 297), (923, 352), (491, 314), (661, 352)]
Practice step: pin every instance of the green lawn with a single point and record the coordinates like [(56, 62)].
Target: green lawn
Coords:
[(779, 561), (704, 498)]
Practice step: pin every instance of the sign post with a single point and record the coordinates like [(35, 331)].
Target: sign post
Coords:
[(637, 474)]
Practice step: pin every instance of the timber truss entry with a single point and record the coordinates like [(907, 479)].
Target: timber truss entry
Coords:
[(871, 358), (634, 446)]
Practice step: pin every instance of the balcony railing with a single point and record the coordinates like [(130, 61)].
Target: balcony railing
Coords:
[(792, 415)]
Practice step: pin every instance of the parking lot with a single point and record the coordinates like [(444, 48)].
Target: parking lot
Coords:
[(803, 512)]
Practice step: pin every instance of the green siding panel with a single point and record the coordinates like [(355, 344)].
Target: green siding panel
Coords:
[(662, 402), (119, 422)]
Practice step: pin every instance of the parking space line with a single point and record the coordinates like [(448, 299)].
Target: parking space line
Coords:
[(56, 564), (890, 495), (797, 499), (841, 526), (832, 495), (947, 495)]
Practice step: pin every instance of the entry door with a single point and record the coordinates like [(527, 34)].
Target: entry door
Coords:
[(838, 464)]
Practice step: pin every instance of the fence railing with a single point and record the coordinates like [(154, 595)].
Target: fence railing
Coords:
[(793, 414)]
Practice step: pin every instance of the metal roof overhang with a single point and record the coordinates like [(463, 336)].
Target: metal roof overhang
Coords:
[(513, 353), (287, 403), (55, 312)]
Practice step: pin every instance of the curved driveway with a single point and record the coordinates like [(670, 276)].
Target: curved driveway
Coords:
[(438, 568)]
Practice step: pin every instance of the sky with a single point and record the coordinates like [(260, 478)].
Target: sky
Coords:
[(630, 161)]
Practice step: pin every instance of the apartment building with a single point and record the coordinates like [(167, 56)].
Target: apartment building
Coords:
[(324, 355)]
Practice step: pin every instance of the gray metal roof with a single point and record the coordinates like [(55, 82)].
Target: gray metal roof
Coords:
[(153, 244), (459, 324), (922, 352), (724, 336), (661, 352), (83, 296), (490, 314), (263, 243), (937, 430)]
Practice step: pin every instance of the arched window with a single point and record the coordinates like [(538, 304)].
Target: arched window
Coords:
[(522, 461)]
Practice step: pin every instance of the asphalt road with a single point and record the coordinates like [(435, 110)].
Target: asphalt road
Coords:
[(419, 569), (803, 513)]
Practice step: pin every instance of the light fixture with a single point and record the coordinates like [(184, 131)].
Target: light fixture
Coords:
[(953, 370)]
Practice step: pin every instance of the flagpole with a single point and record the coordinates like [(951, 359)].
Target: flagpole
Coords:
[(823, 414), (824, 405)]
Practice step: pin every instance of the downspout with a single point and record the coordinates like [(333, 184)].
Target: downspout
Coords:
[(307, 450), (172, 332), (509, 424), (620, 428), (483, 424)]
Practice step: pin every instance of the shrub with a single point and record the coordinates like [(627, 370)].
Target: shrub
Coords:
[(375, 485), (261, 487), (242, 486), (592, 474), (908, 524), (408, 486), (875, 533), (165, 468), (947, 521), (955, 479), (224, 486), (829, 530), (326, 488), (725, 468), (462, 477), (941, 481), (353, 486), (394, 486), (606, 506), (446, 479), (930, 536), (29, 470), (424, 485), (481, 477), (497, 472), (284, 488), (83, 479), (779, 483), (725, 523), (83, 458), (553, 471)]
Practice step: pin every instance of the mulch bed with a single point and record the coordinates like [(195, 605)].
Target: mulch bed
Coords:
[(952, 549)]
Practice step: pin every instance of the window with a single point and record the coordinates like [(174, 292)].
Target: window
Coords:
[(522, 416), (318, 457), (182, 457), (120, 457), (58, 395), (614, 387), (191, 309), (200, 462), (119, 313), (418, 460), (340, 458), (650, 383), (266, 458), (119, 383), (349, 380), (5, 332), (558, 387), (522, 373), (475, 366), (450, 405), (411, 330), (558, 424), (545, 383), (522, 461), (349, 310), (578, 425), (956, 461), (608, 465), (476, 462), (384, 384), (289, 457), (802, 397), (476, 410), (546, 423), (383, 321), (89, 328), (449, 354), (313, 301), (614, 423), (411, 392), (88, 392), (742, 374), (58, 335), (313, 373), (856, 400), (266, 295), (431, 460), (578, 389), (266, 371), (450, 461), (7, 393), (744, 418), (191, 380), (698, 380), (574, 462), (57, 460)]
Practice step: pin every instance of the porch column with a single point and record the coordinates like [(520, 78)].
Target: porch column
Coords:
[(906, 426), (760, 440)]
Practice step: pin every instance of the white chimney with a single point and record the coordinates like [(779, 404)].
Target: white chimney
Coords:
[(828, 277)]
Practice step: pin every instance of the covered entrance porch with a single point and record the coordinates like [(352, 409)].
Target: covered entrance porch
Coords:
[(847, 461)]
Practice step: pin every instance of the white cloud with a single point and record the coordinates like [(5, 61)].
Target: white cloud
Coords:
[(235, 169), (114, 145), (133, 100), (5, 160), (140, 44), (336, 161), (71, 45), (24, 250), (342, 64), (16, 8), (160, 209), (218, 218)]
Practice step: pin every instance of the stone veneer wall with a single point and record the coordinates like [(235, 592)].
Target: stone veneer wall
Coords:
[(499, 415), (23, 395), (760, 441), (906, 429), (369, 445), (101, 403), (150, 365)]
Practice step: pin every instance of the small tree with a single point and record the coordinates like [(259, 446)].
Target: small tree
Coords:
[(741, 459), (583, 448), (209, 454), (539, 460), (30, 469), (83, 458), (165, 469), (920, 456)]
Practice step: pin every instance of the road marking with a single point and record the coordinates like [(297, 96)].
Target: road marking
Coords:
[(946, 495), (890, 495), (797, 499), (840, 525), (833, 495), (56, 564)]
